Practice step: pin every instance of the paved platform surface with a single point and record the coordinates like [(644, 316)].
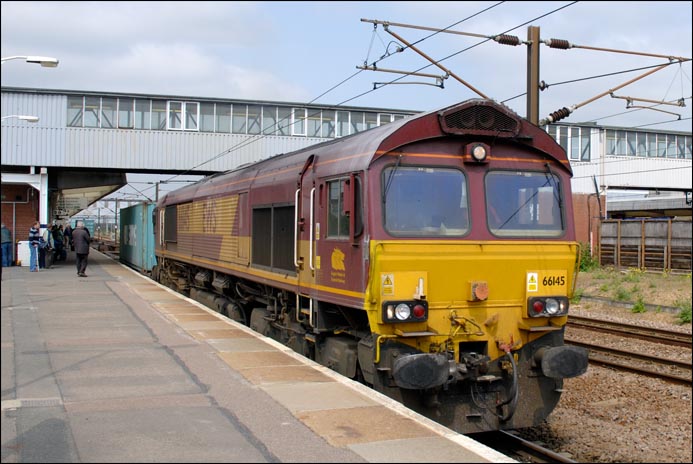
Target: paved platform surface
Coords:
[(116, 368)]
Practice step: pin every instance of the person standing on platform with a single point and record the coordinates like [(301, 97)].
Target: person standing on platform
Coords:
[(46, 249), (68, 237), (81, 239), (34, 236), (6, 246), (58, 243)]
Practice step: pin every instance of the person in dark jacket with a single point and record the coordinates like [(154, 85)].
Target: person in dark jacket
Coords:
[(6, 246), (34, 237), (81, 240), (59, 253), (68, 237), (46, 249)]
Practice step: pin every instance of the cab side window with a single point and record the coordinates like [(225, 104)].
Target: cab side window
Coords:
[(337, 221)]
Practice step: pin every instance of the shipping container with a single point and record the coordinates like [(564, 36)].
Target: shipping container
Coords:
[(137, 237)]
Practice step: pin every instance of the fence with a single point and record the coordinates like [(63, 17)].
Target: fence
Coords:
[(648, 244)]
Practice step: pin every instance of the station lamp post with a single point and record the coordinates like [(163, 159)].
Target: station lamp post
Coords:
[(45, 61), (22, 117)]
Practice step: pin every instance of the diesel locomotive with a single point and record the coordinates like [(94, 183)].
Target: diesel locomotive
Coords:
[(432, 258)]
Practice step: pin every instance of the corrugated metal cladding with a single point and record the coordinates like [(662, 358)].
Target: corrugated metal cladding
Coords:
[(41, 143), (51, 109), (51, 143), (628, 171), (162, 150), (648, 172)]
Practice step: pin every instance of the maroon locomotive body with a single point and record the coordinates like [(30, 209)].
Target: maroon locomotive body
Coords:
[(432, 258)]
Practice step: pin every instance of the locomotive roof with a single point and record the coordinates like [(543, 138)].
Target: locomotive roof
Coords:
[(357, 151)]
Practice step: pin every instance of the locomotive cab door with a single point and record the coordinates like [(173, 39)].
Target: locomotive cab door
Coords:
[(304, 246), (328, 250)]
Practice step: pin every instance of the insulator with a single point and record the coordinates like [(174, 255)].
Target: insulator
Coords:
[(560, 114), (558, 43), (507, 39)]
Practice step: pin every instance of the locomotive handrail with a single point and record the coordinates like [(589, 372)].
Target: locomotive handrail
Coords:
[(312, 227), (297, 236)]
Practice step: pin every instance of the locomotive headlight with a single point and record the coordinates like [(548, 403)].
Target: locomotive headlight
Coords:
[(405, 311), (547, 306), (479, 153), (476, 152), (552, 306), (402, 311)]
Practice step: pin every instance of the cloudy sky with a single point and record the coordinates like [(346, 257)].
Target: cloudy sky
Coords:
[(308, 52)]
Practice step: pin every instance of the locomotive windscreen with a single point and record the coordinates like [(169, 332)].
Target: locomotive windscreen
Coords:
[(425, 201)]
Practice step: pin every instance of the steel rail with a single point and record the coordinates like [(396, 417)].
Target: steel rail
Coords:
[(664, 336), (516, 447), (609, 356)]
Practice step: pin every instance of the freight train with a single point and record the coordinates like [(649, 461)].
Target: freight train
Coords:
[(432, 258)]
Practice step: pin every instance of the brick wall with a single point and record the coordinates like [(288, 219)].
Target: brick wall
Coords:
[(20, 208), (586, 213)]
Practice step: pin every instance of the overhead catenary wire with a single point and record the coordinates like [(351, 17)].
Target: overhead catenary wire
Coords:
[(436, 30), (638, 109), (486, 39), (242, 144), (565, 111), (582, 79), (247, 142), (553, 43), (563, 44), (661, 122)]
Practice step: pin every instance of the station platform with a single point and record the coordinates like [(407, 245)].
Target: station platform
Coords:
[(114, 367)]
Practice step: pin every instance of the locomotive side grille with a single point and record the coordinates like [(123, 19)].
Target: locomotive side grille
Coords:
[(479, 119)]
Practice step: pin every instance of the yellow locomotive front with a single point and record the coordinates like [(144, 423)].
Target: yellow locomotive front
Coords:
[(472, 262)]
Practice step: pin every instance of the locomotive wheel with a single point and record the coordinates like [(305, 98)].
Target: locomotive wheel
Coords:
[(235, 312)]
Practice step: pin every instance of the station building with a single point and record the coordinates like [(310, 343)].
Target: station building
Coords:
[(85, 143)]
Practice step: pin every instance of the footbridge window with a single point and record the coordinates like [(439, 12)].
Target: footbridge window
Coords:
[(219, 117), (183, 115)]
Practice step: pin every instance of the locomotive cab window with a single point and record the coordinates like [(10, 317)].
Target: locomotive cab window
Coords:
[(425, 201), (524, 204), (338, 222), (342, 199)]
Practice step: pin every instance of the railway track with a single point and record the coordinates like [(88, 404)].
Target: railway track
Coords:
[(663, 336), (516, 447), (653, 365), (108, 247)]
